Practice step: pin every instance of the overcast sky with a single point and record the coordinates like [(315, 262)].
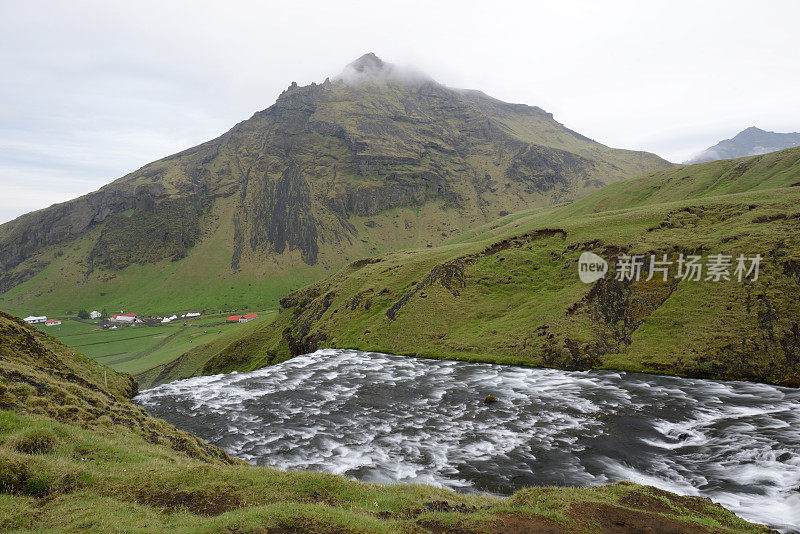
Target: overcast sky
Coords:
[(90, 91)]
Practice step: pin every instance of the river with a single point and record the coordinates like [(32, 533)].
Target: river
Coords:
[(385, 418)]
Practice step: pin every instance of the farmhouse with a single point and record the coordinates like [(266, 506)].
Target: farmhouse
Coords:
[(248, 317), (234, 318), (126, 318), (34, 319), (52, 322), (95, 315)]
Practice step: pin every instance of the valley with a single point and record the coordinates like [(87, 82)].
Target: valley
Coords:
[(145, 349), (394, 327)]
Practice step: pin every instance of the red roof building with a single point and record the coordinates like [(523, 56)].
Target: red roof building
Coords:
[(124, 318), (248, 317), (234, 318)]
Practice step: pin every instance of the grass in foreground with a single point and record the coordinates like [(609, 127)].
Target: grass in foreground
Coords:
[(60, 477)]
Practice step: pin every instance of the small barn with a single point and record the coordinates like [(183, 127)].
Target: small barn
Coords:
[(95, 315), (234, 318), (52, 322)]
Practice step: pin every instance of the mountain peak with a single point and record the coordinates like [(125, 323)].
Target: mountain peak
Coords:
[(751, 141), (367, 62), (752, 130), (369, 68)]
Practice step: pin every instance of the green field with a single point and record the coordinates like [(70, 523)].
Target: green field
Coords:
[(135, 349)]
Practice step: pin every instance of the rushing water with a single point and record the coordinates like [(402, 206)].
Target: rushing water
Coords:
[(384, 418)]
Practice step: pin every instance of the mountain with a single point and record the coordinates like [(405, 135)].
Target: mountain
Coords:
[(376, 159), (750, 142), (509, 292), (77, 456)]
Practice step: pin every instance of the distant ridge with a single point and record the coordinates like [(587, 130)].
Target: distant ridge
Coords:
[(749, 142)]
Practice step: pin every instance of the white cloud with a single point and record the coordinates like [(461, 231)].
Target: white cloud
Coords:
[(92, 90)]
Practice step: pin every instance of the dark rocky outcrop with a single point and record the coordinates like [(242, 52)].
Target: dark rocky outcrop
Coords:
[(281, 216)]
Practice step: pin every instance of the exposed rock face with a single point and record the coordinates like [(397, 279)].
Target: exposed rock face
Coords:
[(152, 232), (25, 235), (543, 169), (282, 216), (293, 178)]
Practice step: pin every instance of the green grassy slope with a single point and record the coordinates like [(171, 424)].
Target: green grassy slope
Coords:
[(510, 293), (78, 456), (768, 171), (42, 378)]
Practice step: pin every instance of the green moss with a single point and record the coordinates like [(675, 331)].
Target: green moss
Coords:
[(38, 486)]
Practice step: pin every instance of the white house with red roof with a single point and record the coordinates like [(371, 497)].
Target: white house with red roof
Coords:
[(125, 318), (52, 322), (247, 318)]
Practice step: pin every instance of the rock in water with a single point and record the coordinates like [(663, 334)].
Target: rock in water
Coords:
[(490, 399)]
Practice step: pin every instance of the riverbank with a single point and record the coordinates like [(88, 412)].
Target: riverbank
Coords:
[(387, 418)]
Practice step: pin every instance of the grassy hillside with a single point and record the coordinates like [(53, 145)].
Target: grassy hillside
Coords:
[(43, 379), (756, 173), (77, 456), (330, 173), (509, 292)]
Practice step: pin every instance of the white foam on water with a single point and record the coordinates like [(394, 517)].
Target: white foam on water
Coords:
[(383, 418)]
